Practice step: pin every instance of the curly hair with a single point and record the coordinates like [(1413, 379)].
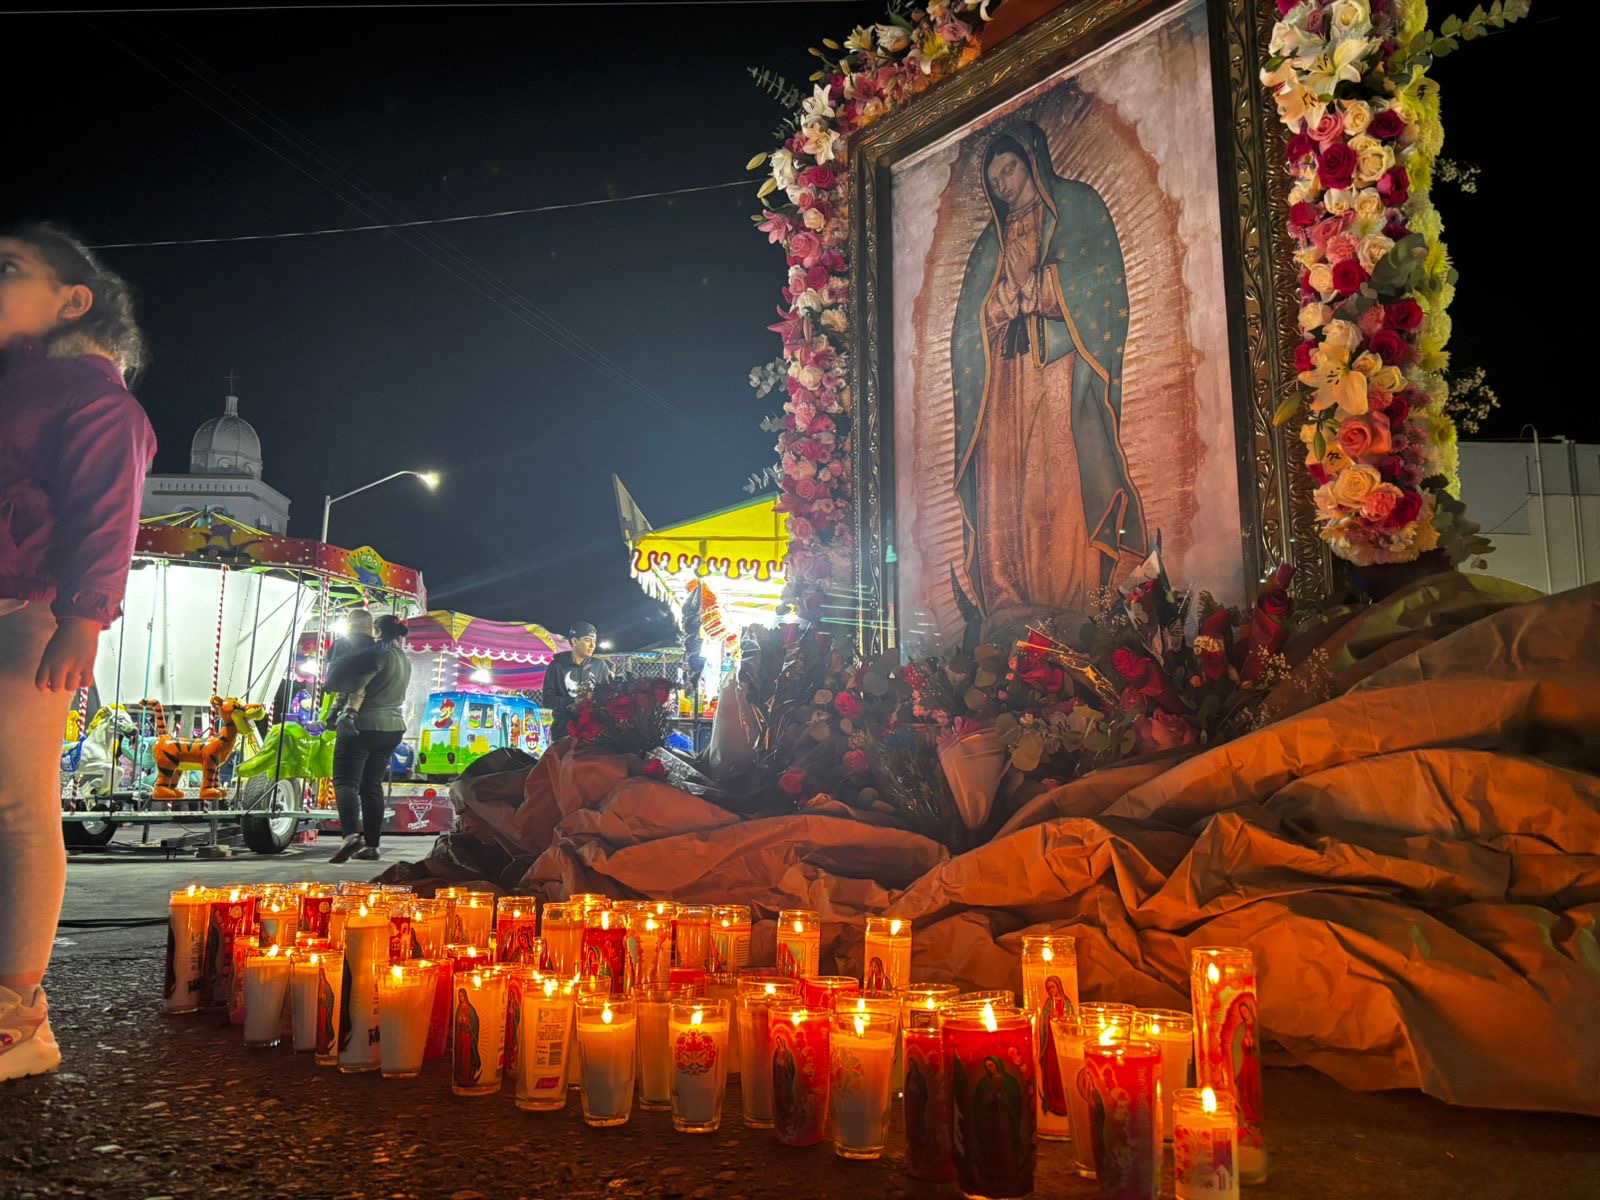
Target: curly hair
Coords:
[(109, 325)]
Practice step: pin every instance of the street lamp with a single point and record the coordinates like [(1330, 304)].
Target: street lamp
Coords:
[(429, 478)]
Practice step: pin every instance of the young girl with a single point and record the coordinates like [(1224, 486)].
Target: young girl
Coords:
[(74, 449)]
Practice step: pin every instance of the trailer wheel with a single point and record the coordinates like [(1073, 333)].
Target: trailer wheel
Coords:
[(264, 831), (89, 835)]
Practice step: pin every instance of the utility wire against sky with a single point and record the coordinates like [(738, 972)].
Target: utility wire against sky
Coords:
[(478, 278), (488, 216)]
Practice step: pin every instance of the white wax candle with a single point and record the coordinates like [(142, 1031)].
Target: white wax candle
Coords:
[(859, 1100), (606, 1053), (1204, 1166), (545, 1047), (188, 915), (405, 1003), (428, 929), (755, 1054), (1177, 1050), (1070, 1051), (266, 985), (563, 942), (655, 1052), (303, 977), (366, 952), (699, 1066)]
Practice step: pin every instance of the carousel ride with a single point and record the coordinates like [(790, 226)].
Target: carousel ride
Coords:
[(200, 669)]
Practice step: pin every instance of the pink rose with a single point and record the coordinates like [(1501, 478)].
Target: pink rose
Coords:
[(1325, 130), (1370, 321), (1380, 503), (801, 528), (1342, 248), (817, 278), (804, 249), (793, 781), (806, 489), (1162, 731), (849, 706), (856, 762)]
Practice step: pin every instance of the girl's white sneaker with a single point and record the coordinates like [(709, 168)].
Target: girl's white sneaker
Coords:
[(27, 1045)]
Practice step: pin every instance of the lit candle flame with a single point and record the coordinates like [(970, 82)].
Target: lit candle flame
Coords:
[(861, 1025), (771, 989), (1048, 955), (477, 979), (233, 896), (696, 1017), (1108, 1036), (650, 923), (1155, 1028), (861, 1004), (273, 952), (989, 1022), (605, 918), (397, 972), (1212, 974), (192, 887), (363, 910), (1208, 1100), (894, 926), (799, 925), (550, 986), (605, 1014), (928, 1004)]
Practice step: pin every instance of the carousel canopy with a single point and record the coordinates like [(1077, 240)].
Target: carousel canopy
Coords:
[(498, 655), (735, 554)]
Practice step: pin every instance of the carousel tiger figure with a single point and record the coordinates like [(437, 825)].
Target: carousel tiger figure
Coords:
[(174, 755)]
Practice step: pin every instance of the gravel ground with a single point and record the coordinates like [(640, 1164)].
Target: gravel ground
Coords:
[(147, 1106)]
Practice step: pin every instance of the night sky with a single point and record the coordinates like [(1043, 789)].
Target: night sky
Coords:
[(359, 354)]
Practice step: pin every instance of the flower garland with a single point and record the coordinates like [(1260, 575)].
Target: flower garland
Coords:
[(1350, 81), (879, 68)]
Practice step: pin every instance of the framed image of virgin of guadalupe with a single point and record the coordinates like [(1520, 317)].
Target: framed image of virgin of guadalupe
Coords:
[(1071, 315)]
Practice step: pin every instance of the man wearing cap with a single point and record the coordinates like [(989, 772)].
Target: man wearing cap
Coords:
[(570, 674)]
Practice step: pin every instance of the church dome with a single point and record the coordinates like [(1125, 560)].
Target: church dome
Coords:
[(226, 445)]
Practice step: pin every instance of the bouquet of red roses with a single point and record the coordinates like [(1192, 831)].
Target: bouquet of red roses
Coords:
[(624, 716)]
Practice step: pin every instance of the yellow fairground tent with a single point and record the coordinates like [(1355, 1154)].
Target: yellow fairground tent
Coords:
[(736, 555)]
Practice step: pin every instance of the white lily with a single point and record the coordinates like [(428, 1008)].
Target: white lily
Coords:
[(860, 39), (1324, 72), (819, 105)]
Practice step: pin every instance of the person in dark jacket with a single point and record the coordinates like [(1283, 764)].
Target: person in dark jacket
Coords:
[(572, 673), (368, 737)]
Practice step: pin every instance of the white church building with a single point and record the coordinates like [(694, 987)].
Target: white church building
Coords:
[(224, 476)]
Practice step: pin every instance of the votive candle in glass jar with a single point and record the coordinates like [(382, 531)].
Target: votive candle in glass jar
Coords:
[(605, 951), (589, 902), (366, 954), (1227, 1044), (469, 916), (1071, 1035), (691, 936), (988, 1054), (1123, 1077), (653, 1006), (757, 997), (607, 1058), (316, 906), (927, 1089), (698, 1031), (305, 975), (544, 1057), (188, 914), (799, 942), (1173, 1031), (886, 961), (278, 912), (649, 943), (516, 932), (861, 1051), (478, 1031), (405, 1004), (428, 920), (402, 938), (730, 938), (724, 985), (266, 990), (1049, 993), (1204, 1141), (519, 978), (231, 915), (801, 1073), (243, 948), (821, 991), (561, 926), (330, 991)]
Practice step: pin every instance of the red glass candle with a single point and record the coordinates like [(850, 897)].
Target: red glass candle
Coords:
[(989, 1062), (315, 909), (1227, 1044), (800, 1073), (1124, 1128), (439, 1020), (519, 977), (232, 916), (605, 950), (927, 1098), (400, 942), (820, 991), (516, 932)]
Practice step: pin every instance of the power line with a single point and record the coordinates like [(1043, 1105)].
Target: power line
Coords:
[(489, 216)]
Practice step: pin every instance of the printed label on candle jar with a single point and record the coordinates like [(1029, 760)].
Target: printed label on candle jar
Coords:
[(694, 1053), (1202, 1165)]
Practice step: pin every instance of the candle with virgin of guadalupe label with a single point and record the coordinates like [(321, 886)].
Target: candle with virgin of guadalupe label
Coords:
[(479, 1020), (232, 914), (886, 963), (1227, 1044), (988, 1056), (605, 951), (330, 988), (1124, 1119), (1050, 993), (516, 932), (799, 942), (927, 1090), (801, 1072), (188, 912)]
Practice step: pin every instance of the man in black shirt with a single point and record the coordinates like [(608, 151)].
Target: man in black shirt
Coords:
[(570, 674)]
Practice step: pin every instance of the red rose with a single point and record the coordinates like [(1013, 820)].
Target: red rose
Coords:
[(817, 278), (656, 769), (1305, 355), (793, 781), (1298, 148), (1394, 187), (1318, 473), (1046, 677), (1303, 215), (1386, 126), (1348, 277), (1162, 731), (1389, 346), (856, 762), (821, 178), (619, 708), (1404, 315), (1406, 510), (1130, 664), (1285, 7), (1336, 168), (849, 706), (1399, 410)]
